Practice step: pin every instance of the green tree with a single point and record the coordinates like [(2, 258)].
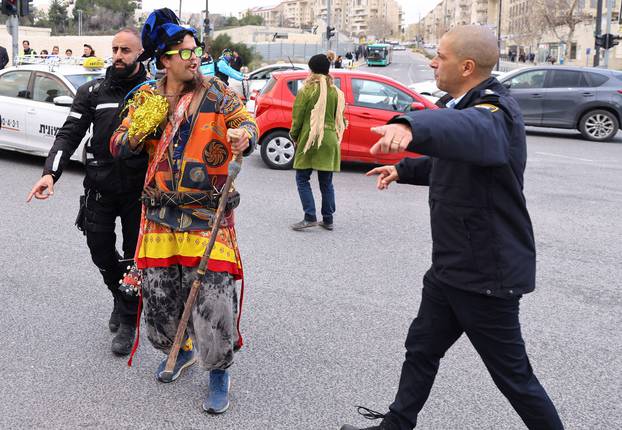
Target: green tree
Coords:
[(57, 17), (251, 20), (248, 54), (104, 15), (232, 21)]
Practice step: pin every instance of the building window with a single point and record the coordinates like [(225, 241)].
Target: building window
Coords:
[(573, 51)]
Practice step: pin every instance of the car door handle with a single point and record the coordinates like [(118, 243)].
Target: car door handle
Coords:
[(588, 94), (536, 96), (31, 111), (365, 114)]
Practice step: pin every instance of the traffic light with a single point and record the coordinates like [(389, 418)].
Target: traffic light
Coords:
[(609, 40), (205, 28), (606, 41), (9, 7), (25, 7), (330, 32)]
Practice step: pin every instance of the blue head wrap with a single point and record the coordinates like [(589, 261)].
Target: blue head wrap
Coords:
[(161, 30)]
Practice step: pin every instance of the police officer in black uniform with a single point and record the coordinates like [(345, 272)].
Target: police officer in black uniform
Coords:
[(483, 251), (112, 187)]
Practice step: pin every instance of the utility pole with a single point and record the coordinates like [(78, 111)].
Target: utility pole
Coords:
[(598, 31), (328, 8), (181, 20), (206, 26), (609, 6), (79, 22), (12, 25), (499, 33)]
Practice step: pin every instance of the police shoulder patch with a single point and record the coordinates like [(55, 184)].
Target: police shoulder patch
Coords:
[(487, 106)]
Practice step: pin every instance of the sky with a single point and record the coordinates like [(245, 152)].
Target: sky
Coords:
[(411, 8)]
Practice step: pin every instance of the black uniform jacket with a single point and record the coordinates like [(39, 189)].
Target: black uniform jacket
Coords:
[(482, 238), (99, 102)]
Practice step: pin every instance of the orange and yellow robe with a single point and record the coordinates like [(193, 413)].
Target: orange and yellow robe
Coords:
[(196, 159)]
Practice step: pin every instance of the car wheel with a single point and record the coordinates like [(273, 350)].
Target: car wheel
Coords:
[(599, 125), (277, 150)]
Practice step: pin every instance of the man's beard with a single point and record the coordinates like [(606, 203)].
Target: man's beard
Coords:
[(123, 72)]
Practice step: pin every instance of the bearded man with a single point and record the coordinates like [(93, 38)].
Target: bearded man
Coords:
[(112, 187)]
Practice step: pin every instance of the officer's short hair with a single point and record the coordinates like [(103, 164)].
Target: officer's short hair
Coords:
[(131, 30), (477, 43)]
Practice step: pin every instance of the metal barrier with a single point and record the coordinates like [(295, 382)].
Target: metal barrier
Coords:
[(298, 52)]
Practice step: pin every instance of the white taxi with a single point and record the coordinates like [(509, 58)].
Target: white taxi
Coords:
[(35, 101)]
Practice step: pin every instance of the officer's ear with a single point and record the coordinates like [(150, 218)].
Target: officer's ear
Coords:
[(468, 67)]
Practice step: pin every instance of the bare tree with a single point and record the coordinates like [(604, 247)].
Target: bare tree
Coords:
[(379, 27), (560, 17)]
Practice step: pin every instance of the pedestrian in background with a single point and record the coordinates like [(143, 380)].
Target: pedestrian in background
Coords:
[(68, 53), (236, 61), (88, 51), (318, 125), (483, 250), (339, 62), (28, 51)]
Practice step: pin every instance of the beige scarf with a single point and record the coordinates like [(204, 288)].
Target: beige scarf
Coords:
[(316, 133)]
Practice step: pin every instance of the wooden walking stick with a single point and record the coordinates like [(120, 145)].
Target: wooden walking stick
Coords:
[(234, 168)]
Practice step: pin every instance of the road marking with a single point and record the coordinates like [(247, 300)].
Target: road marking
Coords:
[(566, 156)]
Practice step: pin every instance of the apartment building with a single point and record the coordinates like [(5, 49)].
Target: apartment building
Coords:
[(525, 30), (356, 18)]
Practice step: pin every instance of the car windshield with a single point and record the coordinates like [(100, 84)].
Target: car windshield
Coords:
[(80, 79)]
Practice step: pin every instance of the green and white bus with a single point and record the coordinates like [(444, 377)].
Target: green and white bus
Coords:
[(379, 54)]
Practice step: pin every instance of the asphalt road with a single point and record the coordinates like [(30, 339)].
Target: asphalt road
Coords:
[(325, 313)]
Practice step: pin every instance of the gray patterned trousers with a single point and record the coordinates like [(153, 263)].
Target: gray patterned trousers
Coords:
[(213, 323)]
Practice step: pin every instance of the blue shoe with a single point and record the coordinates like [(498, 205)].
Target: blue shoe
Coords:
[(184, 359), (217, 400)]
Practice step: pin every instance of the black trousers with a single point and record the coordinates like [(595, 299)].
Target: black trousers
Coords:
[(493, 327), (102, 210)]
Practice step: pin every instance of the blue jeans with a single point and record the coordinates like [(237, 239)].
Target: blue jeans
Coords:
[(306, 195)]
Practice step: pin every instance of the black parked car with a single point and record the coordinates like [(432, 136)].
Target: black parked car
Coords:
[(582, 98)]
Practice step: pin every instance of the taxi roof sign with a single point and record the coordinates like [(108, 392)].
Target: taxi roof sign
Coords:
[(93, 63)]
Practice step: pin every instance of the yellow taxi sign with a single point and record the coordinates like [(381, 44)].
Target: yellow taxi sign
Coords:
[(93, 63)]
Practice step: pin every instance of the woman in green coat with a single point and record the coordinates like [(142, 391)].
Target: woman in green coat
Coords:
[(317, 127)]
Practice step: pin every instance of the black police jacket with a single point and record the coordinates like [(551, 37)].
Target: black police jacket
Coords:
[(482, 238), (99, 102)]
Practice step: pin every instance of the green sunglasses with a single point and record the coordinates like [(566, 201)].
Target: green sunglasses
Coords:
[(186, 54)]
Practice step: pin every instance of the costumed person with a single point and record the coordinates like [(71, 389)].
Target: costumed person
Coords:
[(483, 248), (112, 188), (191, 126), (223, 69), (318, 125)]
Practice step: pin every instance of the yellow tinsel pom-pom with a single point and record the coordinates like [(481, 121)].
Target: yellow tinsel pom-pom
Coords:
[(150, 111)]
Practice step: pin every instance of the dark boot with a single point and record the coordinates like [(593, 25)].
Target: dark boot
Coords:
[(124, 340), (113, 322)]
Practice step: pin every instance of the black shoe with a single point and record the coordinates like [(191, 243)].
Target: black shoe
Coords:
[(303, 224), (326, 225), (124, 340), (370, 415), (349, 427), (114, 321)]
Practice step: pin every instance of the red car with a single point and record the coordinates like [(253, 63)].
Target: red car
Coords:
[(371, 100)]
